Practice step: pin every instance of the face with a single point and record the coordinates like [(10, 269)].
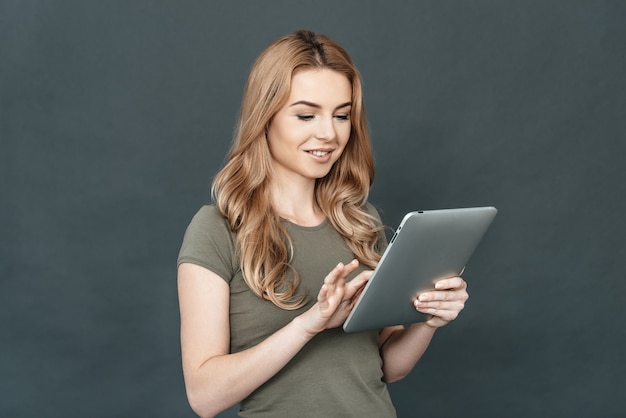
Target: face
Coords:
[(309, 133)]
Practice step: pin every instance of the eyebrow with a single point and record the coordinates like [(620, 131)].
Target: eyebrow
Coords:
[(315, 105)]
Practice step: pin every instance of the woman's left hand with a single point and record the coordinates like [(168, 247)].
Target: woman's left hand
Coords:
[(444, 303)]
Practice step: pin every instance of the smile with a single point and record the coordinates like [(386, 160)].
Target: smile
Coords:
[(319, 153)]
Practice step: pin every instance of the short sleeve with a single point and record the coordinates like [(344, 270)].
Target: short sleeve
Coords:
[(208, 242)]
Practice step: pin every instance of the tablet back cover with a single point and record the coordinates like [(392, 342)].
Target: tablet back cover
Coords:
[(426, 247)]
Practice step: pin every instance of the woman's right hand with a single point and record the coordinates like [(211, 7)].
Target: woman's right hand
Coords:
[(217, 379), (335, 299)]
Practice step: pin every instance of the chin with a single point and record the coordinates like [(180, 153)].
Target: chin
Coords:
[(321, 176)]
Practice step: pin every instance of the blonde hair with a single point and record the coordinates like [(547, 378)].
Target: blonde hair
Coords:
[(241, 189)]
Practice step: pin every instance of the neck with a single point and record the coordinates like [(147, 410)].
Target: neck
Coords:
[(295, 202)]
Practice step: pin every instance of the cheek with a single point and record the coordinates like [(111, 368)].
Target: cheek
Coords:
[(285, 133), (343, 143), (276, 138), (344, 133)]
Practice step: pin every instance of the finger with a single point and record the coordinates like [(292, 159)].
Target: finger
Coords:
[(355, 297), (443, 295), (445, 314), (335, 283), (455, 305), (350, 268), (341, 271), (358, 282), (334, 274), (448, 311), (451, 283), (442, 300), (322, 295), (330, 295)]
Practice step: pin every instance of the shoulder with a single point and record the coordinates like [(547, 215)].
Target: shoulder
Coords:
[(208, 221), (209, 215), (209, 242)]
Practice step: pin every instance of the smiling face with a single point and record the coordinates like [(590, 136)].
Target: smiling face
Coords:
[(309, 133)]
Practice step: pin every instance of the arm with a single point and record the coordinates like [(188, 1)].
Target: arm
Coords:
[(401, 348), (215, 379)]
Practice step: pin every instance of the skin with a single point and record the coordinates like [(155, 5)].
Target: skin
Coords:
[(315, 118)]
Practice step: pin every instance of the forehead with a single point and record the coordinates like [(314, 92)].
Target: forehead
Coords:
[(320, 85)]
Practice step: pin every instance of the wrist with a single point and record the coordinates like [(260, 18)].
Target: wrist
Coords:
[(303, 327), (431, 324)]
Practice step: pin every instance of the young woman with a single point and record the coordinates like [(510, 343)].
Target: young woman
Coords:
[(269, 272)]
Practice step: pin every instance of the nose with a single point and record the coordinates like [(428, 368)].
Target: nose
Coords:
[(326, 129)]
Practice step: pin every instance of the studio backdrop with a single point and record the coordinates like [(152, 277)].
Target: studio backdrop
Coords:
[(115, 116)]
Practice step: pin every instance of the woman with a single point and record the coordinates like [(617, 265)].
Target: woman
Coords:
[(269, 272)]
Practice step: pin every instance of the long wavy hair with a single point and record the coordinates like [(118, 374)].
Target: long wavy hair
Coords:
[(241, 189)]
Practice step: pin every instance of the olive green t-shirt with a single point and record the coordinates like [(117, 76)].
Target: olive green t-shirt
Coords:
[(336, 374)]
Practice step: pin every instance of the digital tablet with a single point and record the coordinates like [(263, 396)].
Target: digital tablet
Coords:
[(426, 247)]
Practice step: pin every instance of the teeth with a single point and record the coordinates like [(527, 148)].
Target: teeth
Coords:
[(319, 153)]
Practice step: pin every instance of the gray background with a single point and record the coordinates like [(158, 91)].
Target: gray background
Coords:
[(115, 115)]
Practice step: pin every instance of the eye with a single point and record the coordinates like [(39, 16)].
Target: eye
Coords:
[(305, 118), (343, 117)]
